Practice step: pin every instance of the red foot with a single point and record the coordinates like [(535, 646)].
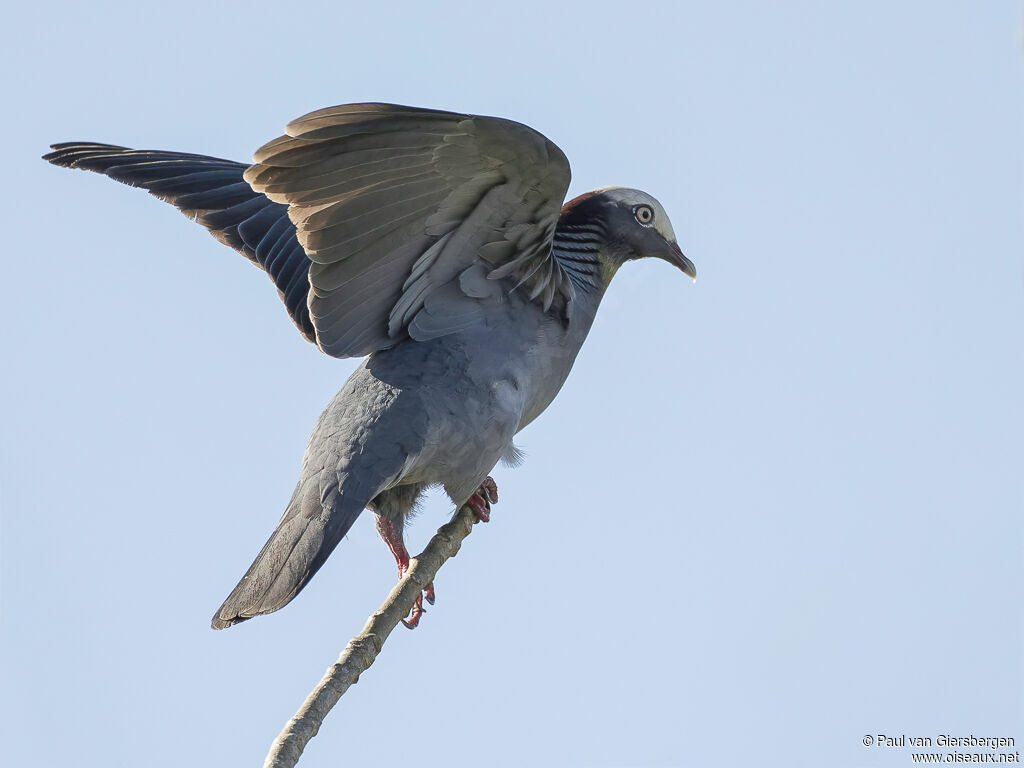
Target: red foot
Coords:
[(413, 620), (480, 502), (397, 546)]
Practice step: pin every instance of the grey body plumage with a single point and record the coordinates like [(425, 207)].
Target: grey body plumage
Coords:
[(437, 244)]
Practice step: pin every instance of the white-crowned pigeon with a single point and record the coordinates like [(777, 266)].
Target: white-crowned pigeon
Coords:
[(437, 244)]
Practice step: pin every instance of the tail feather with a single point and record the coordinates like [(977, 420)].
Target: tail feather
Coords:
[(307, 534)]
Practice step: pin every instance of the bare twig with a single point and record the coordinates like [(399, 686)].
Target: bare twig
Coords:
[(362, 649)]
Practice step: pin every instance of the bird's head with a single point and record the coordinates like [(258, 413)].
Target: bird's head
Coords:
[(633, 226)]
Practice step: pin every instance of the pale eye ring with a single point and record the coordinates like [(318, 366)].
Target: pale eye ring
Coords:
[(644, 214)]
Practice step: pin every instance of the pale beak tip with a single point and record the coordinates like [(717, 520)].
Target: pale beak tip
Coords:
[(687, 266)]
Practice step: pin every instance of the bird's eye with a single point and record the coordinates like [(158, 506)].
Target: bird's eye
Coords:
[(644, 214)]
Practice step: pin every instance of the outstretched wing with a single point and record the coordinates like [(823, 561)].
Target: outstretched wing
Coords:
[(213, 192), (413, 218), (376, 222)]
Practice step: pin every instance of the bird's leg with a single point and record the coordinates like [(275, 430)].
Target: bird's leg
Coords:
[(395, 543), (393, 538), (482, 498), (480, 502)]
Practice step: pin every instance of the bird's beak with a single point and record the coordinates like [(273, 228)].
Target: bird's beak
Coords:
[(676, 257)]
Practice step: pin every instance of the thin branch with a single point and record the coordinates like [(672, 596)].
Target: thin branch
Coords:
[(362, 649)]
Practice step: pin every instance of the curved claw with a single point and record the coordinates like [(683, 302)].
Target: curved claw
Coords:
[(489, 490), (413, 619), (480, 508), (481, 500)]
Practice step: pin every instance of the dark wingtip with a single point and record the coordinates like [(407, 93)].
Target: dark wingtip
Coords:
[(219, 622), (66, 154), (57, 157)]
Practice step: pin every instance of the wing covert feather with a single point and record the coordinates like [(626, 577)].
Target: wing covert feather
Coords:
[(392, 204)]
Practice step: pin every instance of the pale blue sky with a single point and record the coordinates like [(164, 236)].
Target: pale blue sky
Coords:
[(769, 513)]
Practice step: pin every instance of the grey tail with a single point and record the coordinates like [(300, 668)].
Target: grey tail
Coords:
[(308, 532)]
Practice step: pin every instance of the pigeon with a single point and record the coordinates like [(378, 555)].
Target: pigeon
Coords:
[(437, 246)]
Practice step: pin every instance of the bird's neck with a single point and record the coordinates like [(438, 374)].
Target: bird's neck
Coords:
[(578, 251)]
